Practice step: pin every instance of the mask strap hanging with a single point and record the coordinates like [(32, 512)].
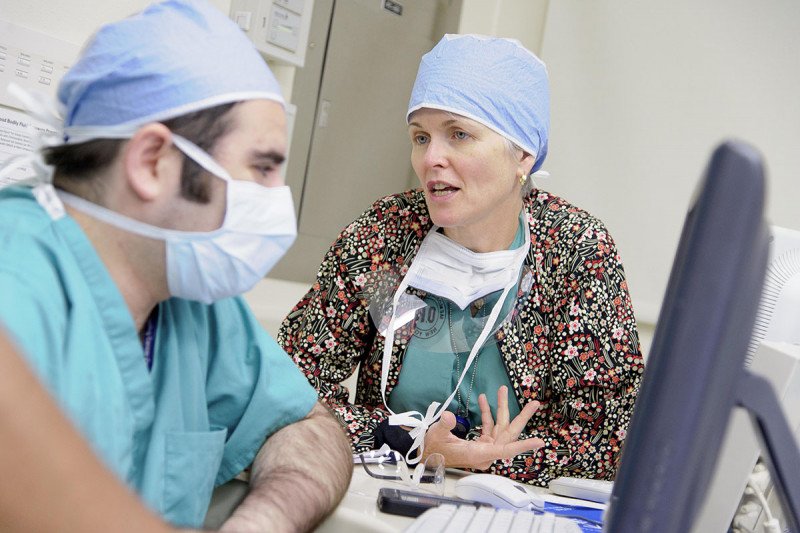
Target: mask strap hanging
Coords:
[(418, 422), (436, 409)]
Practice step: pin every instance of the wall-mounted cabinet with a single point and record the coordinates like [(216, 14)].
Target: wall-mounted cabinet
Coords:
[(278, 28)]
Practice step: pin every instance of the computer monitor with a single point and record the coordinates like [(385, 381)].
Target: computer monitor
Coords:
[(695, 373), (773, 352)]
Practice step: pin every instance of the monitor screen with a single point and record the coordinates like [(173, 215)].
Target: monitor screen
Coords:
[(698, 350)]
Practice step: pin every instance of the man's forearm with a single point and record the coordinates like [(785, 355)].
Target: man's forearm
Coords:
[(298, 477)]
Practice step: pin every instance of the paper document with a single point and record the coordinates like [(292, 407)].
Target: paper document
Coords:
[(17, 131), (36, 62)]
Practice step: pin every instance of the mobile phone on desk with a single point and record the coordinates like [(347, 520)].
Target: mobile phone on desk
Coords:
[(409, 503)]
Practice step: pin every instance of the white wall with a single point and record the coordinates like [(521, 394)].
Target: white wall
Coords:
[(519, 19), (75, 21), (642, 92)]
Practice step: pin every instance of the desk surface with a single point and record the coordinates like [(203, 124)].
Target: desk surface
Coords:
[(357, 513)]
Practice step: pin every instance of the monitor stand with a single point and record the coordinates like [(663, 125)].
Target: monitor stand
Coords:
[(778, 446)]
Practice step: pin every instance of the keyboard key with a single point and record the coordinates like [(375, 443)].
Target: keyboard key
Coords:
[(502, 521), (547, 523), (467, 519), (524, 522), (461, 519), (481, 520)]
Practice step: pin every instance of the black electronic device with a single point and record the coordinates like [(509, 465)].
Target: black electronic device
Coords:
[(409, 503), (695, 372)]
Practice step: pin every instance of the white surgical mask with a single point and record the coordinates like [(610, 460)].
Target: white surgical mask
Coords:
[(259, 227), (444, 268)]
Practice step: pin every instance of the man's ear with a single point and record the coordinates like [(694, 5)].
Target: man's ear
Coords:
[(150, 163)]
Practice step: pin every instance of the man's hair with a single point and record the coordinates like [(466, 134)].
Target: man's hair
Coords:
[(84, 162)]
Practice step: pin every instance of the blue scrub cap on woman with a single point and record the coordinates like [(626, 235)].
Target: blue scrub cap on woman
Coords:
[(494, 81), (173, 58)]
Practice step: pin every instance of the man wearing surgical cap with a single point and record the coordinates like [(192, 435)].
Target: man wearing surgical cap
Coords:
[(156, 202), (491, 319)]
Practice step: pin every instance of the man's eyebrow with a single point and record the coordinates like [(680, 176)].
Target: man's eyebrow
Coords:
[(273, 155)]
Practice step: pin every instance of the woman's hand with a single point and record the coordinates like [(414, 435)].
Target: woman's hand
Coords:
[(499, 439)]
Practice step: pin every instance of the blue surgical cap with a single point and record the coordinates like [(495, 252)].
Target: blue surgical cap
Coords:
[(494, 81), (173, 58)]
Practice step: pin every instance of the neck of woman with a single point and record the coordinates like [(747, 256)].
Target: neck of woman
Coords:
[(492, 234)]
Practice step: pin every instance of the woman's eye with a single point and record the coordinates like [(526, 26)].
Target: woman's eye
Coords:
[(460, 135), (420, 139)]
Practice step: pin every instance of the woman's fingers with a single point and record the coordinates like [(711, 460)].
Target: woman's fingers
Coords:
[(502, 407), (521, 420), (512, 449), (486, 415), (490, 453), (442, 428)]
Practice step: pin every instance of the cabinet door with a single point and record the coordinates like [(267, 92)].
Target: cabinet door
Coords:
[(359, 148)]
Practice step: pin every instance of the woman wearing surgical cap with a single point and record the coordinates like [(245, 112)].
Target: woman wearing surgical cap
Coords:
[(491, 318)]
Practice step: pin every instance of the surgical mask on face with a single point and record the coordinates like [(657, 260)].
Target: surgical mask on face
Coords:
[(444, 268), (258, 228)]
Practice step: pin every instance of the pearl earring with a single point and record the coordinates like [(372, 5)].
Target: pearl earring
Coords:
[(522, 179)]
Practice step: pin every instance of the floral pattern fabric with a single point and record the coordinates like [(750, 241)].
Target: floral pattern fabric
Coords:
[(571, 342)]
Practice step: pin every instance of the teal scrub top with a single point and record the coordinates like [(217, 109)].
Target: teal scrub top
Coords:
[(436, 356), (218, 386)]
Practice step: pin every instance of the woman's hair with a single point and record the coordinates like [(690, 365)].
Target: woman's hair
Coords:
[(83, 162)]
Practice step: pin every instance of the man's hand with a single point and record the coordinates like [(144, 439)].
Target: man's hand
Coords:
[(499, 439)]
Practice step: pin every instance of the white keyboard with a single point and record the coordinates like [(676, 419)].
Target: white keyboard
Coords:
[(448, 518), (595, 490)]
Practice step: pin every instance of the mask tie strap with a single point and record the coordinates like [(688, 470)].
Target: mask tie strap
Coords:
[(200, 156), (435, 410), (413, 419), (420, 423)]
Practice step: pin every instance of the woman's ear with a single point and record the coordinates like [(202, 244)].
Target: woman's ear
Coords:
[(150, 162), (526, 162)]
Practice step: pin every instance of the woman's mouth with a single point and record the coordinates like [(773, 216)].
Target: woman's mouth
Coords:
[(438, 190)]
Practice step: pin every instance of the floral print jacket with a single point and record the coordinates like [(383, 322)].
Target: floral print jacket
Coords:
[(571, 342)]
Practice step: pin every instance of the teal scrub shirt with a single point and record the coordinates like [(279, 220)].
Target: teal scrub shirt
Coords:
[(218, 386), (436, 355)]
